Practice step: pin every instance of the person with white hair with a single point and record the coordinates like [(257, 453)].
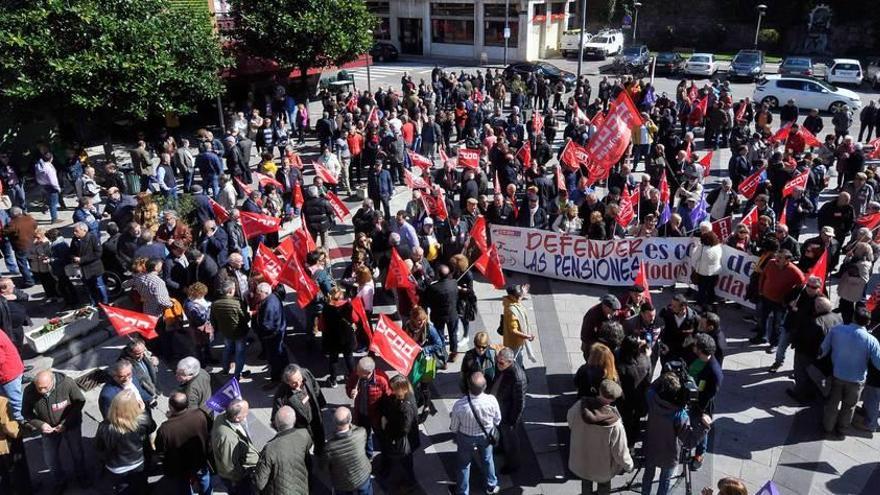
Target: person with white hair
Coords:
[(270, 326), (723, 201), (367, 387), (193, 381), (85, 252), (281, 469), (234, 452)]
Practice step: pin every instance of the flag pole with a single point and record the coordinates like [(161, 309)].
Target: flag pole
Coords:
[(467, 270)]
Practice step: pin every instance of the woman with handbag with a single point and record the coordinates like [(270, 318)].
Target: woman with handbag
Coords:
[(432, 357), (198, 312), (338, 333), (706, 265), (854, 275), (400, 432)]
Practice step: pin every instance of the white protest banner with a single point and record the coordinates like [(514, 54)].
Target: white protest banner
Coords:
[(615, 263)]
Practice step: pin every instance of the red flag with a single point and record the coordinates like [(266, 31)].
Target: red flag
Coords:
[(560, 181), (497, 184), (627, 212), (374, 116), (820, 269), (255, 224), (874, 153), (285, 248), (398, 273), (435, 206), (699, 111), (359, 316), (469, 158), (612, 138), (126, 322), (298, 199), (808, 137), (873, 298), (580, 114), (295, 159), (514, 206), (642, 279), (244, 187), (351, 104), (489, 264), (295, 276), (265, 179), (322, 172), (220, 212), (414, 181), (797, 182), (723, 227), (303, 242), (870, 221), (573, 156), (598, 119), (706, 162), (693, 92), (750, 218), (478, 234), (443, 156), (537, 122), (420, 161), (339, 207), (267, 264), (783, 217), (748, 187), (392, 344), (664, 188), (525, 154), (741, 111)]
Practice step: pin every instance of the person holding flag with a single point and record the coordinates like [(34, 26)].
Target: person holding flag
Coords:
[(780, 281)]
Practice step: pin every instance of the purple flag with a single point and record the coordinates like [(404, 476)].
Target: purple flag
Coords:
[(769, 488), (699, 213), (224, 396), (665, 215)]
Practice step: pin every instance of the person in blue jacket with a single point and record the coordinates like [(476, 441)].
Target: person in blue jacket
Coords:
[(121, 377)]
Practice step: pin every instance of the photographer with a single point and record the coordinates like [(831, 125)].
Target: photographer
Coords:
[(669, 430), (706, 373)]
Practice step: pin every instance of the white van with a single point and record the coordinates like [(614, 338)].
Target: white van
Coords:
[(570, 44), (845, 71), (606, 43)]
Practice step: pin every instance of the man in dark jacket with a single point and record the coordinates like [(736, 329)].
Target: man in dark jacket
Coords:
[(202, 268), (441, 297), (509, 389), (230, 319), (194, 382), (301, 392), (143, 365), (679, 322), (121, 377), (85, 251), (807, 335), (202, 211), (175, 271), (182, 442), (210, 168), (215, 242), (270, 326), (318, 215), (365, 218), (380, 188), (707, 374), (52, 405), (593, 319), (346, 458), (738, 168), (282, 466)]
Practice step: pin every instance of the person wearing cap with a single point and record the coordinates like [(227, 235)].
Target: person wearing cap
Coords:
[(813, 248), (631, 302), (515, 322), (598, 445), (861, 193), (786, 241), (606, 310)]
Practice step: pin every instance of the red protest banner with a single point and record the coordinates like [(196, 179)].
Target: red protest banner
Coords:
[(392, 344), (295, 276), (525, 154), (748, 187), (325, 175), (489, 264), (797, 182), (573, 156), (244, 187), (478, 234), (420, 161), (339, 207), (469, 158), (627, 211), (612, 138), (398, 273), (642, 279), (220, 212), (255, 224), (723, 227), (267, 264), (126, 322), (264, 180)]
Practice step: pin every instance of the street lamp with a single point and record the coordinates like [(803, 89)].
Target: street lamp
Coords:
[(637, 6), (761, 10), (369, 63), (506, 28), (583, 30)]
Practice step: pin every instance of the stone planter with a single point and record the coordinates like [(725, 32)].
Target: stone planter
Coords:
[(71, 327)]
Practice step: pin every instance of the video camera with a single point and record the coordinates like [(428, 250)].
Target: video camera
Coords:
[(689, 393)]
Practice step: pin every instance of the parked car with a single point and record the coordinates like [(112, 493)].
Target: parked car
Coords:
[(635, 56), (701, 64), (747, 64), (845, 71), (806, 92), (669, 63), (796, 66), (382, 52), (605, 43), (571, 39), (549, 71)]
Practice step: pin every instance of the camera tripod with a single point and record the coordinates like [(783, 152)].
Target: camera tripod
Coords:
[(684, 460)]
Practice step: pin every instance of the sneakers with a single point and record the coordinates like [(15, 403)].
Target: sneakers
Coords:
[(696, 463), (495, 489), (771, 349), (758, 340), (775, 367), (860, 425)]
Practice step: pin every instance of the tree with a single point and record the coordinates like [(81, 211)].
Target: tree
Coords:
[(304, 34), (113, 58)]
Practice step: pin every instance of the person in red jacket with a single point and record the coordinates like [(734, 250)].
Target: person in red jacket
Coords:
[(779, 284), (367, 386), (11, 371)]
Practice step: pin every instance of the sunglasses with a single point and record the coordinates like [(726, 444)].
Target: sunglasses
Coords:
[(482, 347)]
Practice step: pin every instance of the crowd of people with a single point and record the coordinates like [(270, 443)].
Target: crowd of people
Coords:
[(155, 232)]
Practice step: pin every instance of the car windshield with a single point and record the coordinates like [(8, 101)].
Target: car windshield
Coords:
[(828, 86), (549, 69), (796, 62), (846, 67), (700, 58), (632, 52), (746, 58), (664, 57), (600, 40)]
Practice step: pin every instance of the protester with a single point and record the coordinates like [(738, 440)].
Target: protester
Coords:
[(281, 469), (347, 456), (474, 421), (234, 453), (183, 445), (120, 443)]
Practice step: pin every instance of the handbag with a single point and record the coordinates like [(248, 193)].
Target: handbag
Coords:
[(501, 325), (493, 436)]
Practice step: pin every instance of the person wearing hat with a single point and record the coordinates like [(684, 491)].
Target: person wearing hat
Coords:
[(534, 216), (598, 440), (631, 302), (515, 323), (606, 310), (813, 248)]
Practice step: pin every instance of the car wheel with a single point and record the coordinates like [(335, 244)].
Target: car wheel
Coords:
[(771, 102), (837, 106)]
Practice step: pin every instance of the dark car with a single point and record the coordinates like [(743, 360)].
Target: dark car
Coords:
[(549, 71), (634, 56), (382, 52), (747, 64), (669, 63), (796, 66)]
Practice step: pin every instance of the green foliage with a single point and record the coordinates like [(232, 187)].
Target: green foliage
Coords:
[(131, 58), (185, 209), (601, 11), (768, 37), (305, 33)]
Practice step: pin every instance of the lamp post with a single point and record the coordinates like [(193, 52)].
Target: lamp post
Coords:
[(581, 43), (637, 6), (761, 10), (369, 63), (506, 28)]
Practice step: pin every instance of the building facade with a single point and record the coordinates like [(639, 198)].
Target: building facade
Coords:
[(473, 29)]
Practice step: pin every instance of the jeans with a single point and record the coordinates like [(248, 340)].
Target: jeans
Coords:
[(782, 346), (17, 196), (466, 445), (97, 290), (363, 421), (239, 348), (640, 151), (188, 180), (662, 485), (51, 454), (365, 489), (9, 256), (276, 354), (23, 267), (52, 202), (773, 315), (212, 184), (510, 444), (871, 406), (451, 326), (242, 487), (841, 404), (184, 487), (12, 390), (133, 482)]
